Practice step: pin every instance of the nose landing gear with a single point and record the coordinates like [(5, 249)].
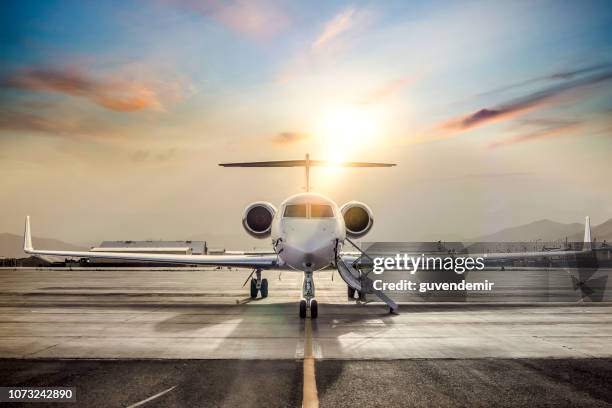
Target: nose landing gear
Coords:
[(308, 301), (314, 308)]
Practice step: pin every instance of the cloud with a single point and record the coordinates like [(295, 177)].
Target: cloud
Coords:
[(560, 75), (118, 95), (55, 125), (154, 156), (290, 137), (328, 44), (529, 102), (341, 23), (559, 129), (261, 19), (387, 90)]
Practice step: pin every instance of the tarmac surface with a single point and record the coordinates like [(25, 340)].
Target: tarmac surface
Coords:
[(196, 335), (341, 383)]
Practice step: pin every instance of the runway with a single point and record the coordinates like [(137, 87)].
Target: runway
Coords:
[(183, 318)]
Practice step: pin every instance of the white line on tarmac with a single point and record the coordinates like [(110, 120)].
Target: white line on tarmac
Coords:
[(144, 401)]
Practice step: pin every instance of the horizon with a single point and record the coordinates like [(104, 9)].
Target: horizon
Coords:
[(221, 241)]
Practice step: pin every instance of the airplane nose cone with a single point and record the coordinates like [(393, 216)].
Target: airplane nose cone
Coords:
[(308, 247)]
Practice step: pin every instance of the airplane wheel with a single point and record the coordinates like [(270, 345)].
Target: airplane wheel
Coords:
[(264, 288), (253, 288), (351, 292), (302, 309), (314, 309)]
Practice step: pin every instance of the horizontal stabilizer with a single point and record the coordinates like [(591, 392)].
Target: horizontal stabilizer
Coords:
[(307, 164), (304, 163)]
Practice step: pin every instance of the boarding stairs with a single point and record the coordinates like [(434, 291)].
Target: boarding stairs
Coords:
[(356, 276)]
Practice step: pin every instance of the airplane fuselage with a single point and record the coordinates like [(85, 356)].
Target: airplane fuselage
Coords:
[(308, 231)]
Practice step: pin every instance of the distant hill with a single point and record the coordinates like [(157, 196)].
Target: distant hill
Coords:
[(11, 245), (548, 231)]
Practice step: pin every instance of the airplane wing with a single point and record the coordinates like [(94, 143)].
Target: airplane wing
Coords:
[(587, 249), (263, 261)]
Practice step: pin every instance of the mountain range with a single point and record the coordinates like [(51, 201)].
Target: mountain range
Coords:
[(11, 245), (548, 231)]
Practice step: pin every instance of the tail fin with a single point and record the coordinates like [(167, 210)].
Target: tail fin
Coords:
[(587, 246), (27, 237)]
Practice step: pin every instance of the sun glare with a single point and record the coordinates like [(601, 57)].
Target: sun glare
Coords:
[(345, 131)]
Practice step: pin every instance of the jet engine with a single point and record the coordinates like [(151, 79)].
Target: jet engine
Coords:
[(358, 219), (257, 219)]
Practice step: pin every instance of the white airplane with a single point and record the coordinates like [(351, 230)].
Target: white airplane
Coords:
[(308, 233)]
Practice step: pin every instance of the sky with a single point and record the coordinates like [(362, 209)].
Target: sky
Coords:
[(115, 114)]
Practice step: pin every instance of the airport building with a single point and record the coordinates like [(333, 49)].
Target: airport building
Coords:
[(147, 247), (154, 247)]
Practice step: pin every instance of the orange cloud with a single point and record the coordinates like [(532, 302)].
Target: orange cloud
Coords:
[(115, 94), (527, 103), (485, 116), (290, 137)]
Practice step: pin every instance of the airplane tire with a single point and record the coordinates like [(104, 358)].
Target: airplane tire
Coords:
[(264, 288), (351, 292), (314, 309), (303, 309), (253, 288)]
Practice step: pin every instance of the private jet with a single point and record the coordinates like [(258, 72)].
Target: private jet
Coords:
[(308, 233)]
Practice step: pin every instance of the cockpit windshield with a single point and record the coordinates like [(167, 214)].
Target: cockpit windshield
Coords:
[(321, 211), (295, 211), (308, 211)]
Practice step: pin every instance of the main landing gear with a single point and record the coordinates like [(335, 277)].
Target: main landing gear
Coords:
[(308, 301), (259, 285)]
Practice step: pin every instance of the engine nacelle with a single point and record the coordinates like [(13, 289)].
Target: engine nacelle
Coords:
[(358, 219), (257, 219)]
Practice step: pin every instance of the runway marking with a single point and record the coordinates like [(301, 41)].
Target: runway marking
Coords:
[(144, 401), (310, 399)]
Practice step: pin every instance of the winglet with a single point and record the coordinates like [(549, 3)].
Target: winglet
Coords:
[(27, 237), (587, 235)]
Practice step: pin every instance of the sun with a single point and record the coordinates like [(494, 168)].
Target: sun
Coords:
[(346, 130)]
